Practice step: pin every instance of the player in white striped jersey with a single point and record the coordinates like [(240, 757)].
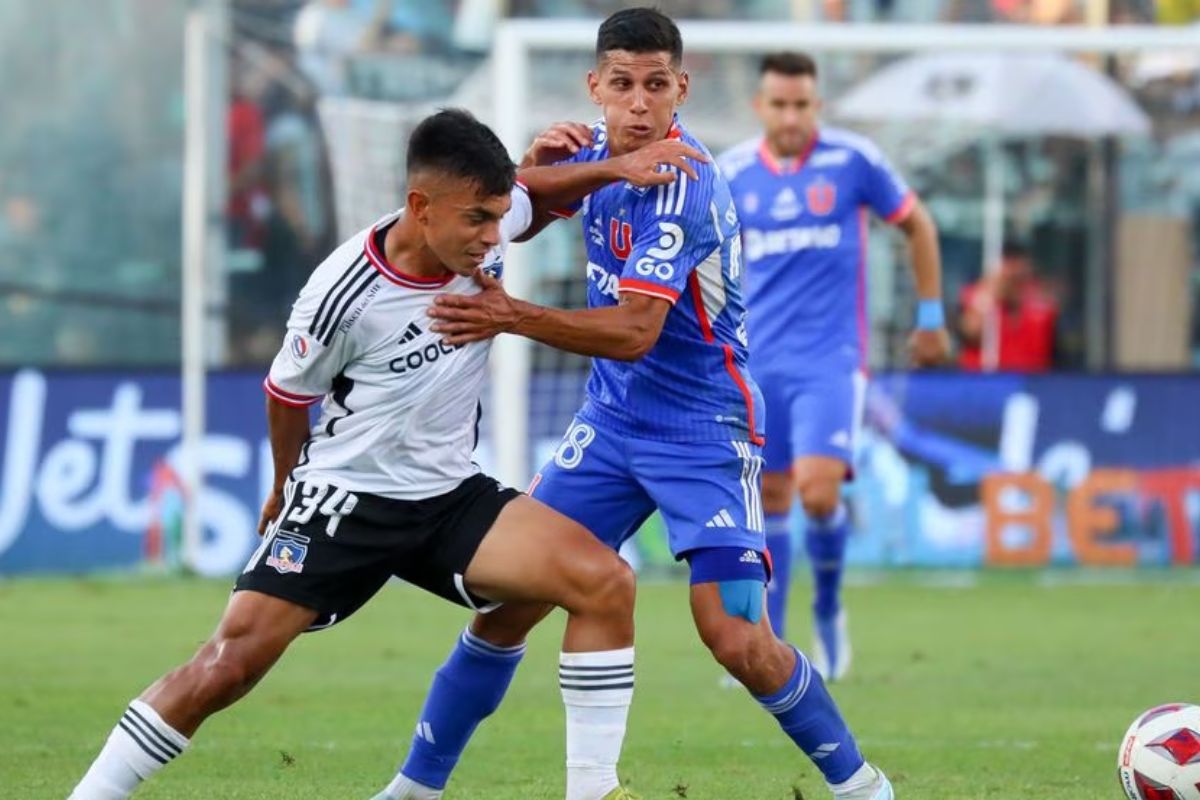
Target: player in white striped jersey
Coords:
[(384, 485)]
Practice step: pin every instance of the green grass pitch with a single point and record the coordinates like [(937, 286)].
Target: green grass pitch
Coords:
[(1005, 686)]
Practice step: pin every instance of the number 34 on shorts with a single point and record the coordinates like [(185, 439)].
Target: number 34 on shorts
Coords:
[(331, 502)]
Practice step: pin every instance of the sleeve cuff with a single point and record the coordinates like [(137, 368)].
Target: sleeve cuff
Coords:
[(563, 213), (288, 398), (906, 206), (648, 288)]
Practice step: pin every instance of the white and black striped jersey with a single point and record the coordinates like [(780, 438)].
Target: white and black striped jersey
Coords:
[(401, 408)]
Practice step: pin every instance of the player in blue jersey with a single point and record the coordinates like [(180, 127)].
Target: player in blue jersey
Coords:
[(672, 421), (802, 194)]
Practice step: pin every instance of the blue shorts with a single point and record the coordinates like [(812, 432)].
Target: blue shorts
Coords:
[(708, 492), (811, 415)]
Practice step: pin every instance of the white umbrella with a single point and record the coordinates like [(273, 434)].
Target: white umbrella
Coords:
[(1011, 93), (1004, 94)]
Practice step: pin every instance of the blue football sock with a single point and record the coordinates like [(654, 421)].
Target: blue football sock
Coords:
[(779, 542), (825, 541), (809, 716), (466, 689)]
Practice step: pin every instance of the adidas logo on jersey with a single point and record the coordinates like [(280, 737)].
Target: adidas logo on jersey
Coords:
[(721, 519), (786, 205), (411, 332), (750, 557)]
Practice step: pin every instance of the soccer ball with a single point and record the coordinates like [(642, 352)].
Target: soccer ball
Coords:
[(1160, 755)]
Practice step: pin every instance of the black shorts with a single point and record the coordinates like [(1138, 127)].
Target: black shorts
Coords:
[(331, 550)]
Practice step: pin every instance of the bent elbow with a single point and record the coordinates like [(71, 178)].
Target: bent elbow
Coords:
[(639, 345)]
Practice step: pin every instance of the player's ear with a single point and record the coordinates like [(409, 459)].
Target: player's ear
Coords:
[(417, 202), (593, 82), (684, 81)]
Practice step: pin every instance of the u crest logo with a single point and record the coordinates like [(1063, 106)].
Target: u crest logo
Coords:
[(821, 196), (620, 238)]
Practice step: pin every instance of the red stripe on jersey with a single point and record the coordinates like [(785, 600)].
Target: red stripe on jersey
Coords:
[(648, 288), (562, 213), (730, 364), (380, 262), (701, 313), (288, 398), (731, 368), (534, 484), (906, 207)]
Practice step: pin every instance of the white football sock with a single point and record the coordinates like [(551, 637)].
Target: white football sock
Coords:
[(404, 788), (597, 689), (139, 746), (862, 779)]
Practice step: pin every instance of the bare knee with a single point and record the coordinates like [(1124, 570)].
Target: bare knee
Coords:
[(777, 492), (821, 498), (608, 589)]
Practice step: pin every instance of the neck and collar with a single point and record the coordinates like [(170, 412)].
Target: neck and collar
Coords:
[(399, 251), (784, 164)]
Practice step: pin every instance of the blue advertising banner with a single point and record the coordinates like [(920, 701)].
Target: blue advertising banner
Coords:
[(955, 470), (88, 461)]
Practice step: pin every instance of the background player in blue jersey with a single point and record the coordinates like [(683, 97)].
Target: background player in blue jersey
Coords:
[(802, 194), (672, 421)]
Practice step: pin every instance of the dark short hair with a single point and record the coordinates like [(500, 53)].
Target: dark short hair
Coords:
[(452, 142), (788, 62), (640, 30)]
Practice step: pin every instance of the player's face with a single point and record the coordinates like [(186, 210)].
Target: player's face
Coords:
[(460, 225), (788, 107), (638, 93)]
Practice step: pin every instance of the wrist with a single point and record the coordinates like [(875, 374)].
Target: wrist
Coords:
[(524, 314), (930, 315)]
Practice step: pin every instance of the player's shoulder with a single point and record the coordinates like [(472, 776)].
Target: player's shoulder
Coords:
[(739, 158), (842, 145), (341, 288)]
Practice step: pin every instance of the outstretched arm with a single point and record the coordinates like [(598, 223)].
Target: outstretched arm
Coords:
[(624, 332)]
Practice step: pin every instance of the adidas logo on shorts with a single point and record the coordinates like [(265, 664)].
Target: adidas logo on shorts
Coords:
[(721, 519), (750, 557)]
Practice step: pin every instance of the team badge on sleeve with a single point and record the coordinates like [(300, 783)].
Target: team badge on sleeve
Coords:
[(299, 346)]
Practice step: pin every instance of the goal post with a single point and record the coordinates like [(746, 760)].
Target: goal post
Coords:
[(514, 68)]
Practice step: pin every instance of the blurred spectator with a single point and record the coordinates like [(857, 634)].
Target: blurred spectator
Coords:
[(1026, 312), (328, 32), (248, 202)]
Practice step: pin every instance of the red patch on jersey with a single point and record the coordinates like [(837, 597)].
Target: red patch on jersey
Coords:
[(620, 238), (821, 196)]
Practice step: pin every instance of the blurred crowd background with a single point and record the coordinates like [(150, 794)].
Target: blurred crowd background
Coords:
[(91, 170)]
